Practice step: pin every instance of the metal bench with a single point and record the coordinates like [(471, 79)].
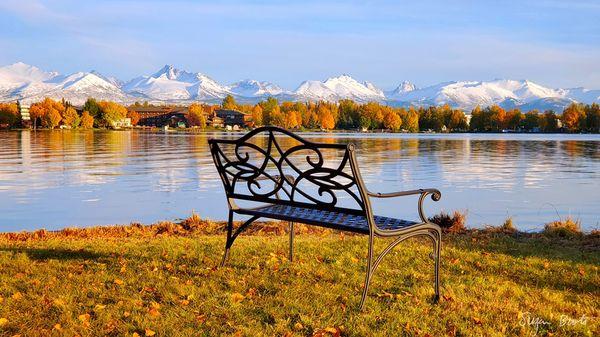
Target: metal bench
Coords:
[(282, 176)]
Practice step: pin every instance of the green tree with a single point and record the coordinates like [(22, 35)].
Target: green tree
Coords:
[(92, 107), (549, 121), (531, 120), (229, 103), (592, 117), (270, 109)]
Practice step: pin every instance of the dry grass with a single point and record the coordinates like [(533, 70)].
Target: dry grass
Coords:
[(564, 228), (455, 223)]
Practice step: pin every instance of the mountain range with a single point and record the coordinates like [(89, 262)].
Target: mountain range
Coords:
[(171, 85)]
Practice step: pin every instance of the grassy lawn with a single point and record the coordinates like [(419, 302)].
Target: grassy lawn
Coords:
[(141, 281)]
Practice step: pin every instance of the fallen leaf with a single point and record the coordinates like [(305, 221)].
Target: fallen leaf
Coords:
[(298, 326), (149, 332), (99, 307), (17, 296), (353, 259), (546, 264), (476, 320), (118, 282), (581, 271), (454, 261), (3, 321), (57, 326), (84, 317), (185, 302), (447, 298), (135, 334), (153, 312), (237, 297), (126, 314), (329, 331)]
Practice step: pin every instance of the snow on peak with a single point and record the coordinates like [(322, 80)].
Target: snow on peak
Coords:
[(254, 88), (340, 87)]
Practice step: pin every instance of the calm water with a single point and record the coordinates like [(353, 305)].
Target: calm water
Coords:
[(54, 179)]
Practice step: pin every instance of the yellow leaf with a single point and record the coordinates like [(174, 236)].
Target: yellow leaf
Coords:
[(3, 321), (237, 297), (17, 296), (1, 299), (118, 281), (126, 314), (99, 307), (84, 317), (135, 334), (298, 326), (123, 269), (150, 332), (476, 320), (57, 326), (546, 264), (153, 312), (185, 302)]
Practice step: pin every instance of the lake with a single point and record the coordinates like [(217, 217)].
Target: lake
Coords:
[(56, 179)]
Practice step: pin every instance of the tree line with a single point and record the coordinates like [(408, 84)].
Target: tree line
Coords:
[(345, 114)]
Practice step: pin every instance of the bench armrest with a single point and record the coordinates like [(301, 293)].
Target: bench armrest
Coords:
[(435, 196)]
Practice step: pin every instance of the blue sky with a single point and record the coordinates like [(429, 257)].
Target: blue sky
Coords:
[(555, 43)]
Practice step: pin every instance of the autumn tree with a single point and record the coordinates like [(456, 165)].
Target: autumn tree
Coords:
[(134, 116), (9, 113), (112, 112), (229, 103), (572, 117), (391, 120), (326, 119), (48, 111), (87, 121), (196, 116), (70, 117), (257, 115), (513, 119)]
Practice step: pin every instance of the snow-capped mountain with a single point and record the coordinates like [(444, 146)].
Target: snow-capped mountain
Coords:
[(29, 84), (253, 88), (172, 84), (336, 88), (507, 93), (400, 90)]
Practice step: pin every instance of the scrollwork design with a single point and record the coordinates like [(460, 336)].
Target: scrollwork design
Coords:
[(261, 168)]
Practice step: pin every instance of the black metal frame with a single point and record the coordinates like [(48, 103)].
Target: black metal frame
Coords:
[(286, 190)]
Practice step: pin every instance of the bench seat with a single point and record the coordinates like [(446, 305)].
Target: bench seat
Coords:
[(331, 219)]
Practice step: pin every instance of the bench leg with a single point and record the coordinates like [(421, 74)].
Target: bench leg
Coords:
[(291, 256), (437, 252), (229, 241), (368, 275)]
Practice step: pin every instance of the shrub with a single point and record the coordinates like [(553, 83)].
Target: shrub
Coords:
[(507, 227), (566, 228), (454, 223)]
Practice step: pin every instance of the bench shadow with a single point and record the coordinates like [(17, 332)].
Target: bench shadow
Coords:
[(42, 254)]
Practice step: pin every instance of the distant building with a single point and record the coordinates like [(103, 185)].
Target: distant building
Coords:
[(233, 118), (25, 116), (122, 123), (160, 116)]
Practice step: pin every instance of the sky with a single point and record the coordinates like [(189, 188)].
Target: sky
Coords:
[(554, 43)]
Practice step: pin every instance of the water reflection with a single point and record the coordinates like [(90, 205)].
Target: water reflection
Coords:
[(54, 179)]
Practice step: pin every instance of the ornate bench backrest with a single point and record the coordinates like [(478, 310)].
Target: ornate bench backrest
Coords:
[(273, 165)]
